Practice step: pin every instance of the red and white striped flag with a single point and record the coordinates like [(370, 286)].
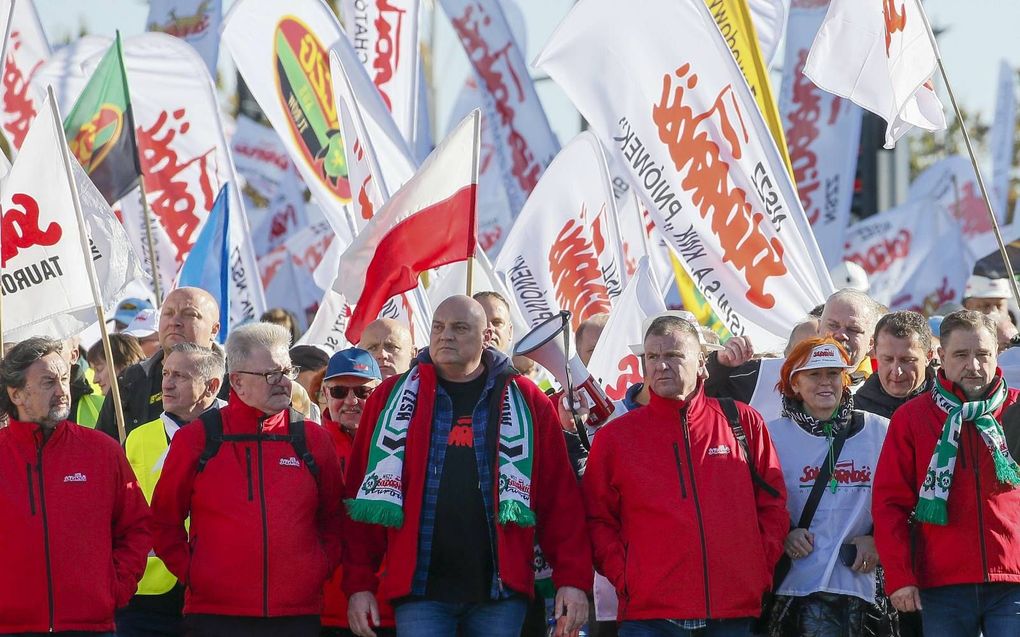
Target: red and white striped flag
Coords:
[(880, 54), (429, 222)]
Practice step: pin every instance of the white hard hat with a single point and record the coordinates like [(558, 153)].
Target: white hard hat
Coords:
[(982, 287), (850, 275)]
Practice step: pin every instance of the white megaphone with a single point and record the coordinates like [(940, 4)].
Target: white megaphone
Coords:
[(542, 346)]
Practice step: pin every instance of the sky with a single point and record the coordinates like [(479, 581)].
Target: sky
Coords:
[(977, 34)]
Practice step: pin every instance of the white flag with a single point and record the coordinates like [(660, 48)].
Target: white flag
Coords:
[(384, 34), (881, 55), (562, 252), (612, 363), (524, 140), (769, 18), (1001, 139), (823, 133), (197, 22), (281, 50), (287, 272), (677, 111), (27, 50)]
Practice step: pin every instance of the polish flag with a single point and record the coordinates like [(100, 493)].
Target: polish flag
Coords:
[(429, 222)]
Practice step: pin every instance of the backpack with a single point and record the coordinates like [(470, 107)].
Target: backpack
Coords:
[(212, 421), (733, 417)]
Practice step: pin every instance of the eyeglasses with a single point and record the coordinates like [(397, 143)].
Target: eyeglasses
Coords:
[(274, 377), (340, 393)]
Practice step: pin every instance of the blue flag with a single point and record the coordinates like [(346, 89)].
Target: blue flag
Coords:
[(207, 266)]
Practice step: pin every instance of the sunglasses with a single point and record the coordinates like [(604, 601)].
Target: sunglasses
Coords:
[(340, 393)]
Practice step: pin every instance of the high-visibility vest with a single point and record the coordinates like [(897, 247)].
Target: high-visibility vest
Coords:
[(146, 448), (87, 413)]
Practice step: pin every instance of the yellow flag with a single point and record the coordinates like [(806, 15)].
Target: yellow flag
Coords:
[(734, 21)]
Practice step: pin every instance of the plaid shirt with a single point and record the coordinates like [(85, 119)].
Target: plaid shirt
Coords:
[(442, 422)]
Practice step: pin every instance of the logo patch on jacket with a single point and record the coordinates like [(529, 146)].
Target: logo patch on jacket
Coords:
[(290, 462), (721, 450), (461, 434), (76, 477)]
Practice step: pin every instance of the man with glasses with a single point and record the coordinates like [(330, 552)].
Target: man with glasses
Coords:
[(262, 488), (351, 376)]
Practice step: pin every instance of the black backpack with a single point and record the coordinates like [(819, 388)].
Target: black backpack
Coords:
[(733, 417), (212, 420)]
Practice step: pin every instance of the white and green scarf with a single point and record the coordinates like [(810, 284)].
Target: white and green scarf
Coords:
[(380, 498), (932, 506)]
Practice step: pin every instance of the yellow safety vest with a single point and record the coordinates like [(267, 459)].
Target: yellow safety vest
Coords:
[(87, 414), (146, 448)]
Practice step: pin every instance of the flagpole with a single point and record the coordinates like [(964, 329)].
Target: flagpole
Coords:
[(3, 60), (153, 264), (475, 157), (89, 265), (973, 160)]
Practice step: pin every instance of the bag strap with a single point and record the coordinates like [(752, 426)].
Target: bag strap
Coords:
[(296, 429), (821, 481), (212, 421), (733, 417)]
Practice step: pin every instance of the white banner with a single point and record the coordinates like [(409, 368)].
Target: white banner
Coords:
[(281, 50), (674, 107), (27, 51), (524, 140), (612, 363), (562, 252), (913, 254), (273, 191), (1001, 139), (384, 33), (770, 24), (823, 134), (43, 269), (287, 271), (197, 22)]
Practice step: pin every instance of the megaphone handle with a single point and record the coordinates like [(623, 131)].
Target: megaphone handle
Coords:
[(582, 434)]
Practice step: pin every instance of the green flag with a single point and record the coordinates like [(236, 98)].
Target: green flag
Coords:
[(101, 131)]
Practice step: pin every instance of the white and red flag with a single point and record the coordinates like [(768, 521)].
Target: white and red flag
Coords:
[(429, 222), (881, 55), (563, 251), (27, 51), (613, 363), (663, 92)]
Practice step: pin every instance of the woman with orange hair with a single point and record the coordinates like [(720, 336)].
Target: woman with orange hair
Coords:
[(829, 589)]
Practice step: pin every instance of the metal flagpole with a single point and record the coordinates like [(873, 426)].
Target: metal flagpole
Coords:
[(89, 265), (973, 160)]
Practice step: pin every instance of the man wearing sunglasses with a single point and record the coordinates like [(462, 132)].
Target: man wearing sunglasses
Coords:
[(262, 487)]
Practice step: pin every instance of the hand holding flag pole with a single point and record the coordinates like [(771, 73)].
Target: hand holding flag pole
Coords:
[(90, 266)]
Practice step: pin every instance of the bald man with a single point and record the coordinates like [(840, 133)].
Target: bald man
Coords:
[(389, 343), (188, 315), (437, 519)]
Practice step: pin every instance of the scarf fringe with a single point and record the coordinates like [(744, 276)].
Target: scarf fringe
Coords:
[(932, 512), (512, 511), (1006, 470), (375, 512)]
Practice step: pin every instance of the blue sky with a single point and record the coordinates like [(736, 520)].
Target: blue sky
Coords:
[(978, 34)]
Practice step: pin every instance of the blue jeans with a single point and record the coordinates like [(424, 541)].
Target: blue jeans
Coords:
[(968, 610), (441, 619), (663, 628)]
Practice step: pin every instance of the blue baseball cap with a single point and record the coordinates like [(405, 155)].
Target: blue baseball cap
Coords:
[(129, 308), (353, 362)]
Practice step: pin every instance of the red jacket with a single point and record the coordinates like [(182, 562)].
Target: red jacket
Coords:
[(555, 499), (675, 521), (75, 529), (265, 532), (981, 543), (334, 608)]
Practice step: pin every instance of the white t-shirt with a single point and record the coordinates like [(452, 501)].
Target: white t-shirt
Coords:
[(841, 516)]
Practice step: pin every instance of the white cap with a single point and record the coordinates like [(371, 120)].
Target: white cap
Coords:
[(849, 275), (145, 323), (825, 355), (981, 287), (639, 348)]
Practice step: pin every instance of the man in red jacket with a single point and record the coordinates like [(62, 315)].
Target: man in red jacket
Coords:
[(458, 464), (264, 502), (75, 524), (945, 463), (677, 521)]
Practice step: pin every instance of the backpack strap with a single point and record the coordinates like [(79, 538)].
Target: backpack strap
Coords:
[(733, 417), (212, 421), (296, 433)]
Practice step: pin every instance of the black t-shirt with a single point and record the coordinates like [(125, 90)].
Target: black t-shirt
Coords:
[(461, 565)]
